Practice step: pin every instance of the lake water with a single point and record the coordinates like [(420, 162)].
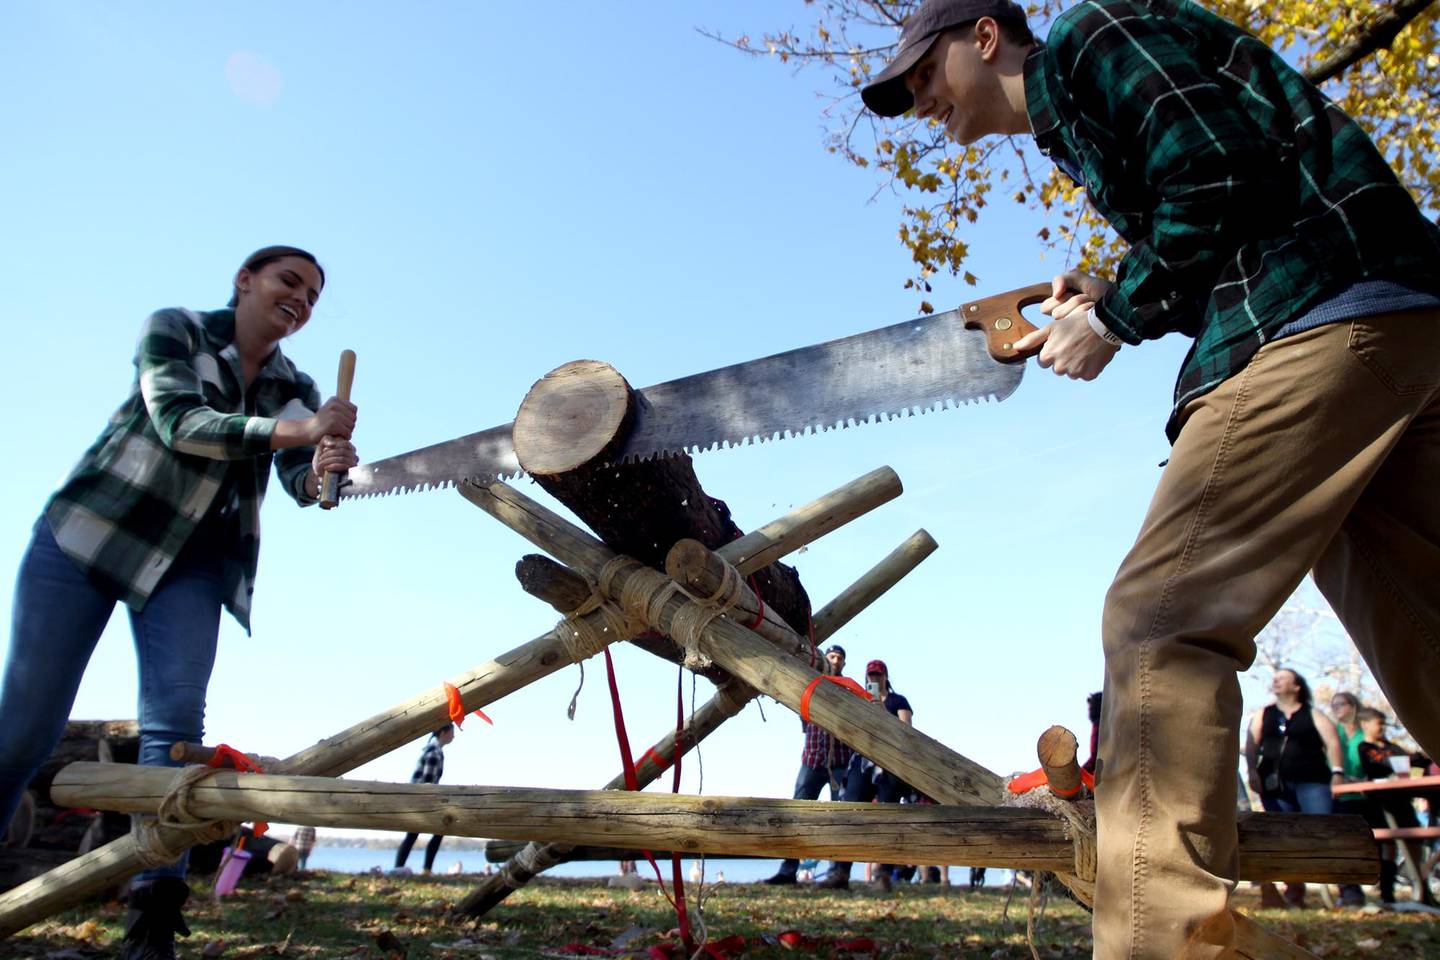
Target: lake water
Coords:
[(362, 859)]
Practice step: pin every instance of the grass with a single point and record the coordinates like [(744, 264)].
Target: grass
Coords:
[(323, 915)]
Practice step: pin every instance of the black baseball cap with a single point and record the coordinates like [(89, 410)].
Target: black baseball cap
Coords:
[(836, 648), (886, 94)]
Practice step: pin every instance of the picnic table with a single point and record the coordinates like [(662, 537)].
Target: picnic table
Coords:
[(1417, 868)]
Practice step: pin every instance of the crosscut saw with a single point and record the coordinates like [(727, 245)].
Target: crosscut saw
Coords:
[(960, 356)]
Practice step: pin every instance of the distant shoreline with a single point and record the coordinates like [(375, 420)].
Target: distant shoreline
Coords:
[(324, 839)]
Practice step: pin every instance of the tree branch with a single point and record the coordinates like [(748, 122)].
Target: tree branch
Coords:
[(1378, 34)]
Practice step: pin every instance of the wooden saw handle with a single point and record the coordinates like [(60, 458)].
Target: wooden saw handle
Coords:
[(999, 316), (330, 483)]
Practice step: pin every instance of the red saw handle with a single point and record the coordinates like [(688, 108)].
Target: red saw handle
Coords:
[(999, 317)]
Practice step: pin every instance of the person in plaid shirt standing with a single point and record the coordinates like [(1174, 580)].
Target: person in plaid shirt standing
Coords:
[(429, 770), (1264, 224), (162, 514), (823, 760)]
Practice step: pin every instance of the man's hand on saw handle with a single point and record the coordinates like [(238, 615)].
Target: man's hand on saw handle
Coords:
[(1067, 344)]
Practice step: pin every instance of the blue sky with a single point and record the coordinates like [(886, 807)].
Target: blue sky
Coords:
[(493, 195)]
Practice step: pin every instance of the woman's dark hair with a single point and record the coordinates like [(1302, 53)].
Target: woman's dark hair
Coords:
[(1305, 696), (439, 730), (265, 255), (1349, 698), (1093, 702)]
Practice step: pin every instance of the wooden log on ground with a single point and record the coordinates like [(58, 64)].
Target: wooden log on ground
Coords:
[(1333, 849), (567, 432), (101, 869), (533, 858)]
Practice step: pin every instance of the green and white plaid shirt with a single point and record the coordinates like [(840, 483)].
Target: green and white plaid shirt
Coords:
[(187, 431), (1245, 194)]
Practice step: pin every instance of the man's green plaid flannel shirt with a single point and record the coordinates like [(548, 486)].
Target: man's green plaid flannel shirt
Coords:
[(1246, 195), (187, 427)]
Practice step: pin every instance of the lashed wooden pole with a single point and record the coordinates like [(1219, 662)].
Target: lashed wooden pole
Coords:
[(989, 836), (923, 762), (77, 880), (536, 857)]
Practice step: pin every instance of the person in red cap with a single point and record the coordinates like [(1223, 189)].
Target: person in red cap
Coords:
[(864, 781), (1262, 222)]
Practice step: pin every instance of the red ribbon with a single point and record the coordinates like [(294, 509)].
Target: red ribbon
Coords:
[(845, 683), (660, 762), (632, 782), (457, 707), (226, 756), (760, 615)]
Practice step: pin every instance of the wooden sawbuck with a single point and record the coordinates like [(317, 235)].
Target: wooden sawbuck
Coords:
[(672, 573)]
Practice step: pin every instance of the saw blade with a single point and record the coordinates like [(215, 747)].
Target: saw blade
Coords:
[(905, 369), (901, 370)]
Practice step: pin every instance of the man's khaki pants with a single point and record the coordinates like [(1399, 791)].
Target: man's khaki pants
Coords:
[(1324, 454)]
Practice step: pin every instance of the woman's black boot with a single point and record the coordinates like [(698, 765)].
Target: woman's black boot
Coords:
[(154, 919)]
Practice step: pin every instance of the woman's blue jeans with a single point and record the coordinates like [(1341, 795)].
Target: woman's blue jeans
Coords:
[(57, 619), (1299, 798)]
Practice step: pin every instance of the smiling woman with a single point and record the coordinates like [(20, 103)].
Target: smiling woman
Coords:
[(162, 514)]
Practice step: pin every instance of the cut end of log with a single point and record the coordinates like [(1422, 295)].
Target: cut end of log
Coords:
[(572, 416), (556, 584), (1057, 750)]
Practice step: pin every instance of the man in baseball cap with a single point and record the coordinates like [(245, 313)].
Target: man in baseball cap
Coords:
[(1273, 232), (888, 94)]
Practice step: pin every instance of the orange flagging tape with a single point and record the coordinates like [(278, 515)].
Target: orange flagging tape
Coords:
[(228, 756), (1036, 778), (845, 683), (457, 707)]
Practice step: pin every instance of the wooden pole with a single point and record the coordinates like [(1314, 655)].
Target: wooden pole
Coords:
[(1329, 848), (77, 880), (536, 857), (868, 588)]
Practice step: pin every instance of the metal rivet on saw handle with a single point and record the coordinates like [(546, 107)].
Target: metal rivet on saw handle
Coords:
[(1004, 323)]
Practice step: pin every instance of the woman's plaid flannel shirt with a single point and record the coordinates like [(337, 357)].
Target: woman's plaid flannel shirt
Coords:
[(188, 425)]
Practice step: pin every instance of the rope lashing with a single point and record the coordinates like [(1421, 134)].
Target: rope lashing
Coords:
[(174, 814), (1079, 817), (639, 602), (582, 638)]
